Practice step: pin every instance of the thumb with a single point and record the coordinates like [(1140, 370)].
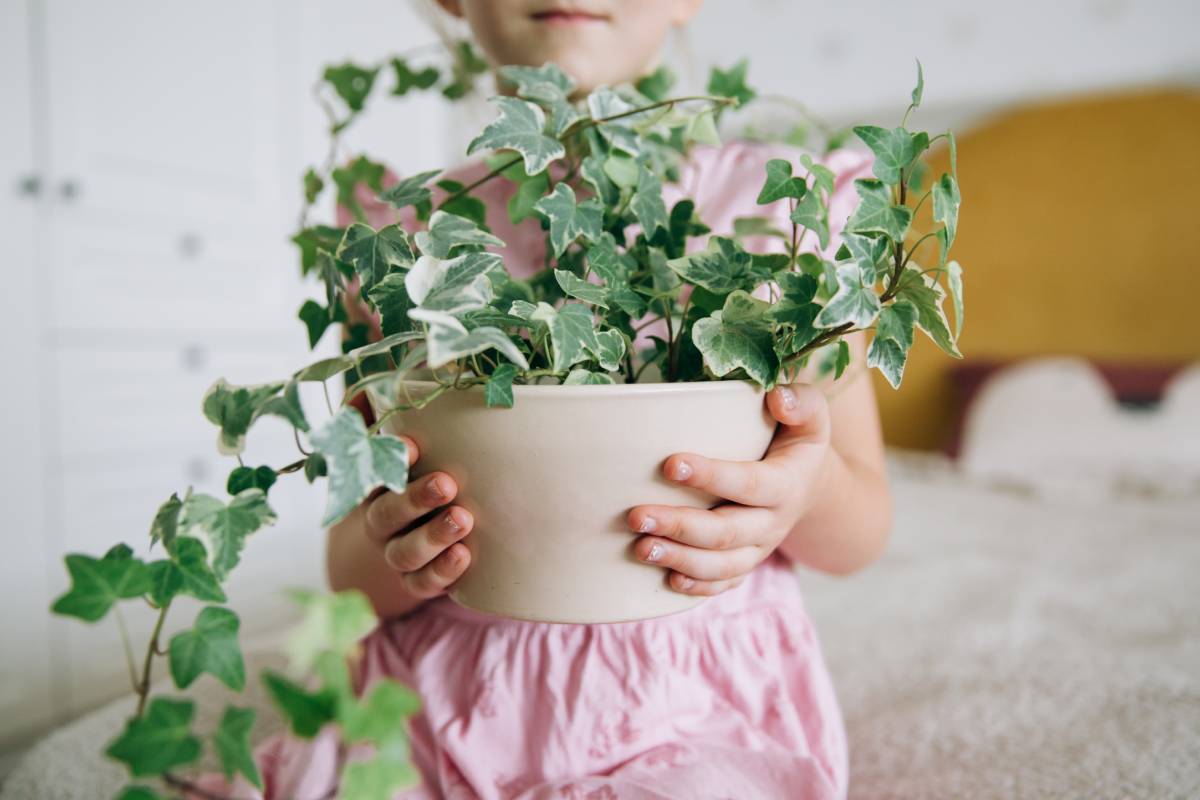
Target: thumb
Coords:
[(803, 411)]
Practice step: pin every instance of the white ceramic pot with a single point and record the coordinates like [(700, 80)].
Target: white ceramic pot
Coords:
[(550, 482)]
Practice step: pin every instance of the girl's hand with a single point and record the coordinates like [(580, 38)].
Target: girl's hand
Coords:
[(710, 551), (418, 535)]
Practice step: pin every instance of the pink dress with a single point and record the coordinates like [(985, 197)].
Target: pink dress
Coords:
[(730, 699)]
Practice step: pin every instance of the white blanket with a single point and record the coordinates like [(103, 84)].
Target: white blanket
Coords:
[(1004, 647)]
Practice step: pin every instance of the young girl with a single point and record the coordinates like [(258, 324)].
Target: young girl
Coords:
[(730, 699)]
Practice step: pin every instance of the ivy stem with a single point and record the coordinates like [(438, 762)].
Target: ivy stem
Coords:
[(913, 249), (125, 644), (328, 402), (143, 686), (300, 447)]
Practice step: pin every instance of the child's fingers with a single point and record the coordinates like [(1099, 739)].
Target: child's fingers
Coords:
[(695, 562), (414, 452), (749, 483), (802, 409), (411, 551), (435, 577), (390, 513), (685, 585), (722, 528)]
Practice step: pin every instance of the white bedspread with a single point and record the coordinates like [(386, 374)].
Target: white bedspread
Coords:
[(1005, 647)]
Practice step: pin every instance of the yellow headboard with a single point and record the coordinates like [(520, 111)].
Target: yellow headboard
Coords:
[(1079, 234)]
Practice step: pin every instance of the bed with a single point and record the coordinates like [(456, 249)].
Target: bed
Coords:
[(1021, 637)]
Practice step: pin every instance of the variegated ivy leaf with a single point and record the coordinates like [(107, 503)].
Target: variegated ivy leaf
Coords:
[(358, 463), (384, 345), (811, 213), (739, 337), (449, 340), (954, 278), (610, 349), (227, 525), (622, 170), (855, 302), (166, 522), (287, 406), (374, 253), (186, 572), (895, 150), (946, 200), (391, 300), (720, 268), (498, 391), (411, 191), (548, 86), (926, 294), (875, 212), (524, 309), (520, 127), (614, 267), (572, 333), (455, 285), (568, 220), (575, 286), (780, 183), (866, 251), (98, 583), (796, 307), (448, 232), (592, 171), (616, 117), (583, 377), (647, 203), (235, 408), (893, 338)]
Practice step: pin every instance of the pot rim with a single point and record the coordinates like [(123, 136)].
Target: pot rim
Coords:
[(594, 389)]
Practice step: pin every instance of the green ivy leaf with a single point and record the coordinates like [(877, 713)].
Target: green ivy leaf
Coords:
[(796, 306), (895, 150), (312, 186), (186, 572), (569, 221), (232, 741), (447, 232), (210, 646), (375, 253), (250, 478), (306, 712), (391, 300), (946, 200), (855, 302), (738, 337), (98, 583), (286, 405), (407, 79), (841, 359), (721, 268), (410, 191), (317, 319), (823, 177), (520, 127), (875, 212), (731, 83), (332, 623), (352, 83), (926, 294), (810, 212), (139, 793), (379, 715), (233, 409), (572, 335), (893, 338), (158, 741), (548, 86), (498, 391), (657, 84), (780, 183), (358, 463), (377, 778), (227, 526), (575, 286), (166, 522), (361, 170), (523, 204), (647, 203)]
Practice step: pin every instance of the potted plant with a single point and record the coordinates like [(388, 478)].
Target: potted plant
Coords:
[(547, 387)]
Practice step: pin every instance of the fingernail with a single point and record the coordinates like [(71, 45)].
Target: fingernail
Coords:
[(684, 582), (787, 397), (436, 491), (649, 525), (682, 471), (451, 524), (656, 552)]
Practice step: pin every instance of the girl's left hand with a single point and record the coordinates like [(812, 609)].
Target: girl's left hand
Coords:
[(710, 551)]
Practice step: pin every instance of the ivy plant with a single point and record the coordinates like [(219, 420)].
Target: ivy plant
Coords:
[(620, 263)]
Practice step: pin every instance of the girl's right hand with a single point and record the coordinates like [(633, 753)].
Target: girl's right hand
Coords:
[(418, 533)]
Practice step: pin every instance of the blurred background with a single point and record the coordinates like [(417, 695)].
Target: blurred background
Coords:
[(150, 162)]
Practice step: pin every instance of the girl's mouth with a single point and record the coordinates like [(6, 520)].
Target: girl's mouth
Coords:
[(566, 16)]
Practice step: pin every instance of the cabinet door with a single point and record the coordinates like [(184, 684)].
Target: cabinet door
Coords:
[(24, 656)]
